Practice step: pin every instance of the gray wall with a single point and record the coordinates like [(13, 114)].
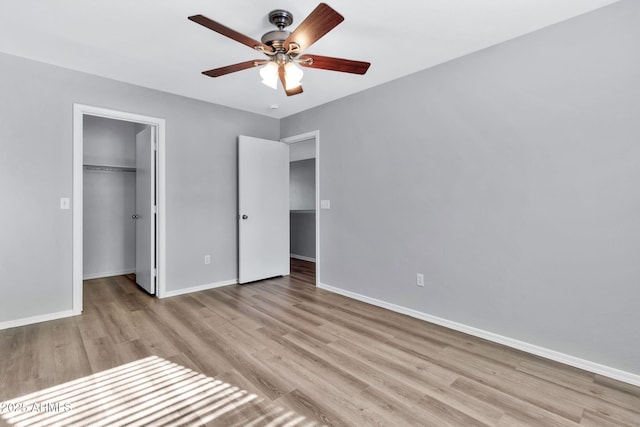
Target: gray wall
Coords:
[(302, 150), (109, 232), (110, 142), (302, 238), (302, 196), (36, 170), (302, 184), (509, 177)]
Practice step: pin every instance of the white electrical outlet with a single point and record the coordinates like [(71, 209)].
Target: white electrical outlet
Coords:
[(420, 279), (207, 259)]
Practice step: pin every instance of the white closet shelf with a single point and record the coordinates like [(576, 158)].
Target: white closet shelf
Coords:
[(302, 211), (108, 168)]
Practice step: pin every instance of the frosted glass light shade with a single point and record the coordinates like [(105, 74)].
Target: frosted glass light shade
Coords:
[(269, 74), (293, 75)]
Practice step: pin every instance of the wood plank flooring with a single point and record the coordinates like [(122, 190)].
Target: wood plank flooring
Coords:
[(283, 353)]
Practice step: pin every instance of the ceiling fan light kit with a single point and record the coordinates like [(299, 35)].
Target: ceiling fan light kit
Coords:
[(283, 48), (293, 75), (269, 74)]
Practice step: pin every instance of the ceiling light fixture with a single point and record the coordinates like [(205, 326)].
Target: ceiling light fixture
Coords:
[(283, 48), (269, 74), (293, 75)]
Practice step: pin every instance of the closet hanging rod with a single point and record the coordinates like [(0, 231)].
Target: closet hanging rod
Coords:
[(106, 168)]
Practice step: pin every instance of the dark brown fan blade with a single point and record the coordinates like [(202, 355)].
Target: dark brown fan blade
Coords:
[(335, 64), (319, 22), (283, 80), (228, 32), (217, 72)]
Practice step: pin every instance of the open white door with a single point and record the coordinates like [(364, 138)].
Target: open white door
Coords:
[(263, 203), (145, 210)]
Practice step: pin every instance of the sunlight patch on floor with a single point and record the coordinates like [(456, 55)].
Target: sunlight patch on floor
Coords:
[(147, 392)]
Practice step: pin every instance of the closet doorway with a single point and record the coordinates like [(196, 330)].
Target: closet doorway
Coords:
[(118, 219), (304, 196)]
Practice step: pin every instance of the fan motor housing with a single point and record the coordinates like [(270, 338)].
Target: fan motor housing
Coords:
[(280, 18), (275, 38)]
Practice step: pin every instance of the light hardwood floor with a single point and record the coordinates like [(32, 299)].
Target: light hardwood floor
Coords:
[(296, 355)]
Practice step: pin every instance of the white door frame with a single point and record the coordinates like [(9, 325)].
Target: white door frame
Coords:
[(315, 135), (79, 111)]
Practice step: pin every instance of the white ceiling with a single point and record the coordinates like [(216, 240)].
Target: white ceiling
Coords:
[(151, 43)]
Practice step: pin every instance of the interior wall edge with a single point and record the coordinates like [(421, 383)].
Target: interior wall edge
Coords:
[(567, 359)]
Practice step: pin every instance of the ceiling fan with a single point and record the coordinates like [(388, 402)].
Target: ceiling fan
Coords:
[(283, 48)]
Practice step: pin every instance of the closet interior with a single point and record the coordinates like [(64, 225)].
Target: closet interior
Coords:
[(302, 198), (109, 192)]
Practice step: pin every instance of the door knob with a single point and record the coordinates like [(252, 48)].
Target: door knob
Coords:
[(136, 216), (244, 217)]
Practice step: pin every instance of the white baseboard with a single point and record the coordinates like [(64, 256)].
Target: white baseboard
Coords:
[(108, 274), (37, 319), (303, 258), (177, 292), (567, 359)]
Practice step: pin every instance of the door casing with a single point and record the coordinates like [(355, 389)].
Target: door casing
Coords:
[(79, 111)]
